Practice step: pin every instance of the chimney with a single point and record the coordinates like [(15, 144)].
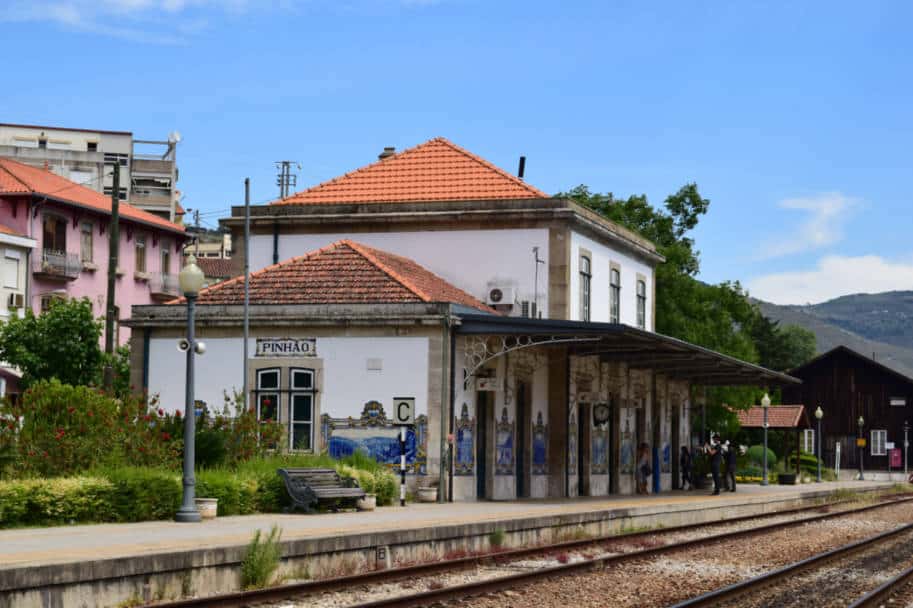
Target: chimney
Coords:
[(387, 153), (521, 170)]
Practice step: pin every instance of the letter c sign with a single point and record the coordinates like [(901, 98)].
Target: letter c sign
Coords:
[(403, 410)]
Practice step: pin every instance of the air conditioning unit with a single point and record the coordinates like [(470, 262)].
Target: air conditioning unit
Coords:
[(16, 300), (501, 295), (528, 309)]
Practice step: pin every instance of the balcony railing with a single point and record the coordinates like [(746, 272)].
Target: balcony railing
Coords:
[(58, 265), (164, 286)]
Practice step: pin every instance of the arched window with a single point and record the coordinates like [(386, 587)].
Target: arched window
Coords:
[(585, 279), (641, 304), (614, 296)]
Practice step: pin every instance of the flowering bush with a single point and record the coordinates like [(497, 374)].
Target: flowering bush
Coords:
[(57, 429)]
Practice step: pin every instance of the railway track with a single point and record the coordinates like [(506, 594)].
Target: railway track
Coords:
[(511, 572), (829, 579)]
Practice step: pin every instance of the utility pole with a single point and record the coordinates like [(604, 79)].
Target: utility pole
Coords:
[(246, 284), (113, 247), (286, 179), (196, 220)]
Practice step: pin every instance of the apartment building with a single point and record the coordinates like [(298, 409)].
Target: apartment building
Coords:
[(148, 167)]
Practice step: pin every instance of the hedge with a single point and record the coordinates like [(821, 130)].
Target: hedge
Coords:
[(130, 494)]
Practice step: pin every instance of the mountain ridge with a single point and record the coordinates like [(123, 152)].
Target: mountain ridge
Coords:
[(878, 325)]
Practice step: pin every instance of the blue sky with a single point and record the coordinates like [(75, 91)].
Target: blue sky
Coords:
[(796, 121)]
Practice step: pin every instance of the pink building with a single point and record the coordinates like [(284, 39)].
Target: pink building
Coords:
[(71, 226)]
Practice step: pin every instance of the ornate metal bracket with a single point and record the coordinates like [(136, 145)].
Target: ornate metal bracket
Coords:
[(482, 349)]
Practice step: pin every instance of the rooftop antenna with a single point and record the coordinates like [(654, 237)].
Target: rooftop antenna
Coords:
[(286, 179), (536, 276)]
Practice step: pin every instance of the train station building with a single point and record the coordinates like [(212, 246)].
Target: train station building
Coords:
[(521, 324)]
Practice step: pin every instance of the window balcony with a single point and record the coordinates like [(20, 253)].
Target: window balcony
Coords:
[(57, 265), (164, 287)]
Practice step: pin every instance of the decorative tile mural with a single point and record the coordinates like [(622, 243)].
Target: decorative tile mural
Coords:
[(374, 435), (504, 445), (599, 450), (626, 461), (464, 463), (572, 442), (540, 447)]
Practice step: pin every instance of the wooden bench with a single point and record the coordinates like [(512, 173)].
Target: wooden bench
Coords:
[(310, 487)]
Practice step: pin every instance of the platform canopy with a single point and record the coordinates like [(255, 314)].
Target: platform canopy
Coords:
[(778, 417), (638, 348)]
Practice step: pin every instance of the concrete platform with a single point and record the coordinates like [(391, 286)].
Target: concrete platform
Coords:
[(107, 564)]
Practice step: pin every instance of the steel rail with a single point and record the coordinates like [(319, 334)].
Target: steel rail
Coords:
[(514, 580), (730, 592), (878, 597), (243, 599)]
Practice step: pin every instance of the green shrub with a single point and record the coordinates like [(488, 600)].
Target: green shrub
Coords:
[(261, 560), (386, 487), (141, 494), (237, 495), (807, 462), (756, 456)]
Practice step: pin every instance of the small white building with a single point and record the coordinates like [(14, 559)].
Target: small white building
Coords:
[(521, 325)]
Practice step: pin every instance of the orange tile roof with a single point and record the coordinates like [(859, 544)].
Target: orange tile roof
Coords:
[(217, 268), (437, 170), (19, 178), (778, 417), (4, 229), (344, 272)]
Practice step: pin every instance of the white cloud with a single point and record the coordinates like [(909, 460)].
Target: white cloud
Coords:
[(824, 225), (833, 276), (137, 20)]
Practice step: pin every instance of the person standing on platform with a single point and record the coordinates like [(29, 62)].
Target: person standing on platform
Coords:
[(716, 458), (684, 461), (730, 466), (643, 468)]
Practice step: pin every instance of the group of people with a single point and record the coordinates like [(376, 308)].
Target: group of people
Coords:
[(717, 451)]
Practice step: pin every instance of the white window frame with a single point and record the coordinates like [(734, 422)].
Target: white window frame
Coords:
[(140, 243), (808, 439), (878, 448), (308, 391), (641, 303), (11, 258), (85, 256), (586, 278), (275, 393), (614, 295)]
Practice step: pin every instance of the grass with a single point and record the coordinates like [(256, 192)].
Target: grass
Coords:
[(261, 559), (496, 538)]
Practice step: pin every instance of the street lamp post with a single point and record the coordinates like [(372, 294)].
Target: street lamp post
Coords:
[(765, 403), (861, 422), (906, 445), (819, 414), (191, 281)]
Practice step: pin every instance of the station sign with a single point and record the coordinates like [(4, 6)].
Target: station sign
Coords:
[(403, 411), (286, 347), (487, 384), (898, 401)]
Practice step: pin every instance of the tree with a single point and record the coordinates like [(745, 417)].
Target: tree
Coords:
[(60, 343), (782, 348)]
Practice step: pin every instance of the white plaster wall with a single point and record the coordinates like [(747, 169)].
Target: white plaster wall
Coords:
[(346, 384), (469, 259), (602, 256)]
